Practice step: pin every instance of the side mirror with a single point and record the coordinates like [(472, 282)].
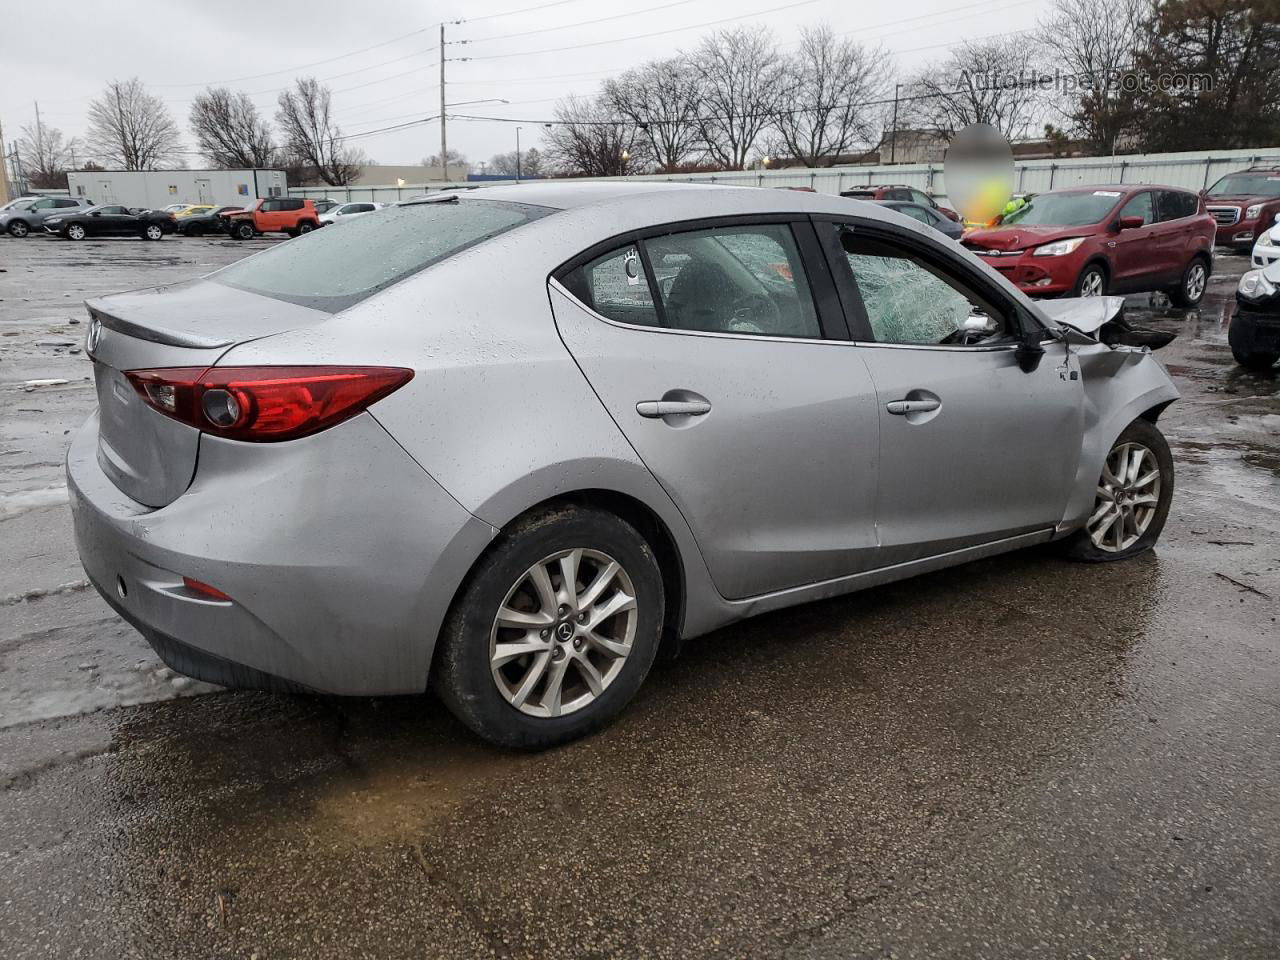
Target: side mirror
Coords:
[(979, 323), (1130, 223), (95, 213)]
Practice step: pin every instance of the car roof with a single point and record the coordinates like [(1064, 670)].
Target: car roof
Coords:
[(1120, 187)]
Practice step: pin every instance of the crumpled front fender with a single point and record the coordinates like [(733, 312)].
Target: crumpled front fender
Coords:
[(1120, 385)]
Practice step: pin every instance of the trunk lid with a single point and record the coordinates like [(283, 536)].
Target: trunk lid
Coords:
[(151, 457)]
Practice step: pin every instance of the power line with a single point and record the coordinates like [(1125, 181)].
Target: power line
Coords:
[(581, 23), (644, 36), (302, 66), (513, 13)]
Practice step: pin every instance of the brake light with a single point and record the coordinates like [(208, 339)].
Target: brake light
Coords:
[(265, 404)]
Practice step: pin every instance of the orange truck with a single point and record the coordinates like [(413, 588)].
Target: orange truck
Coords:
[(274, 215)]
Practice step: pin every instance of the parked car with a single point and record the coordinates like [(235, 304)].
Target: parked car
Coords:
[(929, 216), (1090, 241), (898, 191), (193, 209), (213, 220), (1254, 333), (506, 441), (325, 205), (111, 220), (1244, 205), (20, 217), (275, 215), (1267, 250), (346, 210)]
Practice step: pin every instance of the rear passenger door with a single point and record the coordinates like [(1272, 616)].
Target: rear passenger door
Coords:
[(1175, 211), (708, 345)]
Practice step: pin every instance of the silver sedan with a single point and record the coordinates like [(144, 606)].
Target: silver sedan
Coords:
[(507, 443)]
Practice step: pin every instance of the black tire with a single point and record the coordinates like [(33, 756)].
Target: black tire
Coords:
[(1185, 293), (19, 228), (291, 233), (1085, 279), (242, 230), (306, 226), (461, 674), (1080, 546)]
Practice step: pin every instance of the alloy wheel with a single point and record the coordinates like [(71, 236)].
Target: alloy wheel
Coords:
[(563, 633), (1091, 285), (1196, 281), (75, 232), (154, 232), (18, 228), (1127, 498)]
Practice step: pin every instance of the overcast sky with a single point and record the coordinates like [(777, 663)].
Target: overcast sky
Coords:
[(62, 54)]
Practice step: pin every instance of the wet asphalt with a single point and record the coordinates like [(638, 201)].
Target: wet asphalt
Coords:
[(1016, 758)]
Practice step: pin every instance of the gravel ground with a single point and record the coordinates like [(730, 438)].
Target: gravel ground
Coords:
[(1019, 757)]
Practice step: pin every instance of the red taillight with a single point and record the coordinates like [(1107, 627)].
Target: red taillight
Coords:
[(202, 588), (265, 403)]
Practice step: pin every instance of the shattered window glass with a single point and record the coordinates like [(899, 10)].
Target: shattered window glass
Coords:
[(910, 301)]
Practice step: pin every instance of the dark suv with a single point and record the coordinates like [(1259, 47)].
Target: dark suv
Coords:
[(1245, 204), (898, 191)]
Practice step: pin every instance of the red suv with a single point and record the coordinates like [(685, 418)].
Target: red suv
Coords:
[(1244, 205), (1089, 241), (897, 191)]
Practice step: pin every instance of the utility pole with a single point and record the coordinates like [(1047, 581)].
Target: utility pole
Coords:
[(893, 142), (518, 154), (444, 138), (4, 171)]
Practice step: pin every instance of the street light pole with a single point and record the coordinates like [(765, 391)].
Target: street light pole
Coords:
[(518, 129), (444, 137), (893, 143)]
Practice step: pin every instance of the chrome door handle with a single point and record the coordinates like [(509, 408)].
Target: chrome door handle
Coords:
[(655, 409), (901, 407)]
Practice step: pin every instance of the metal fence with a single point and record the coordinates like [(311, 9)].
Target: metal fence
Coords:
[(1191, 170)]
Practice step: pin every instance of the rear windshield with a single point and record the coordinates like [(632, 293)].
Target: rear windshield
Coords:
[(1253, 184), (1075, 209), (331, 269)]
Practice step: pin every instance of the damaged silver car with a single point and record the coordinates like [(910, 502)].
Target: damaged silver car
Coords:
[(506, 443)]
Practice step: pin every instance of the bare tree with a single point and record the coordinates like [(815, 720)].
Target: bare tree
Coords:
[(45, 155), (230, 132), (457, 162), (831, 87), (662, 98), (1094, 43), (310, 135), (590, 139), (979, 82), (131, 129), (740, 75)]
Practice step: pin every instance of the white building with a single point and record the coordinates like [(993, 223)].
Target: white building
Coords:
[(159, 188)]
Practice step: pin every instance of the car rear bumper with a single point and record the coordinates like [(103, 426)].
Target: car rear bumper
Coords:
[(339, 553)]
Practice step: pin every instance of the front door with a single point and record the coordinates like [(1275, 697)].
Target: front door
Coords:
[(204, 191), (972, 448), (706, 348), (1136, 259)]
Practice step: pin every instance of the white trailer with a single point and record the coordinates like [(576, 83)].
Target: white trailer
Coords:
[(159, 188)]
